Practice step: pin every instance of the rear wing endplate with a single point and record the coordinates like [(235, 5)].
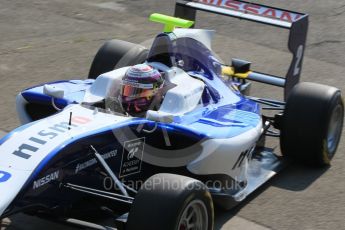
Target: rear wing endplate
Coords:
[(296, 23)]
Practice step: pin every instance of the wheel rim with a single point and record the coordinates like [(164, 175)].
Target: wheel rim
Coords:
[(334, 130), (194, 217)]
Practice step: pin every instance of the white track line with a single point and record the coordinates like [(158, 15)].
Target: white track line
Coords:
[(238, 223), (110, 6)]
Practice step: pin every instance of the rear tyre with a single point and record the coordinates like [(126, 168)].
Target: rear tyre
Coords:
[(312, 123), (172, 202), (115, 54)]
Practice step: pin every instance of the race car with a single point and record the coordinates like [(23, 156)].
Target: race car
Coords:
[(81, 156)]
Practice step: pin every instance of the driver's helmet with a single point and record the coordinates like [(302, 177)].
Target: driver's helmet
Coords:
[(140, 86)]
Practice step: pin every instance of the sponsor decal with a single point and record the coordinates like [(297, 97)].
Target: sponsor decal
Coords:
[(244, 155), (93, 161), (139, 85), (45, 180), (33, 144), (250, 8), (132, 156), (4, 176), (80, 120)]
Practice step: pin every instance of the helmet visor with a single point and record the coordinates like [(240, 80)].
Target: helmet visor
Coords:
[(135, 92)]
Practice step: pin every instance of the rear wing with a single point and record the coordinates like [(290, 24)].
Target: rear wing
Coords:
[(296, 23)]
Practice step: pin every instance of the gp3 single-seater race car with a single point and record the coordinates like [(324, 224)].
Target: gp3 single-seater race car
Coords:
[(78, 157)]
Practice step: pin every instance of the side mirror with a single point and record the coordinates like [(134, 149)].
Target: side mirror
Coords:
[(159, 116), (53, 91), (240, 66)]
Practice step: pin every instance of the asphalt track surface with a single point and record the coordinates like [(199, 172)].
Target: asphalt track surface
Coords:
[(42, 41)]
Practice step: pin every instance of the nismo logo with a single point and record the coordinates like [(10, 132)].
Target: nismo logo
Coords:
[(33, 144), (4, 176)]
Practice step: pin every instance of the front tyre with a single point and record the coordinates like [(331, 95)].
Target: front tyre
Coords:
[(312, 123), (172, 202)]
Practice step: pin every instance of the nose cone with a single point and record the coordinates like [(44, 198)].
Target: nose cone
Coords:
[(2, 210), (11, 183)]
